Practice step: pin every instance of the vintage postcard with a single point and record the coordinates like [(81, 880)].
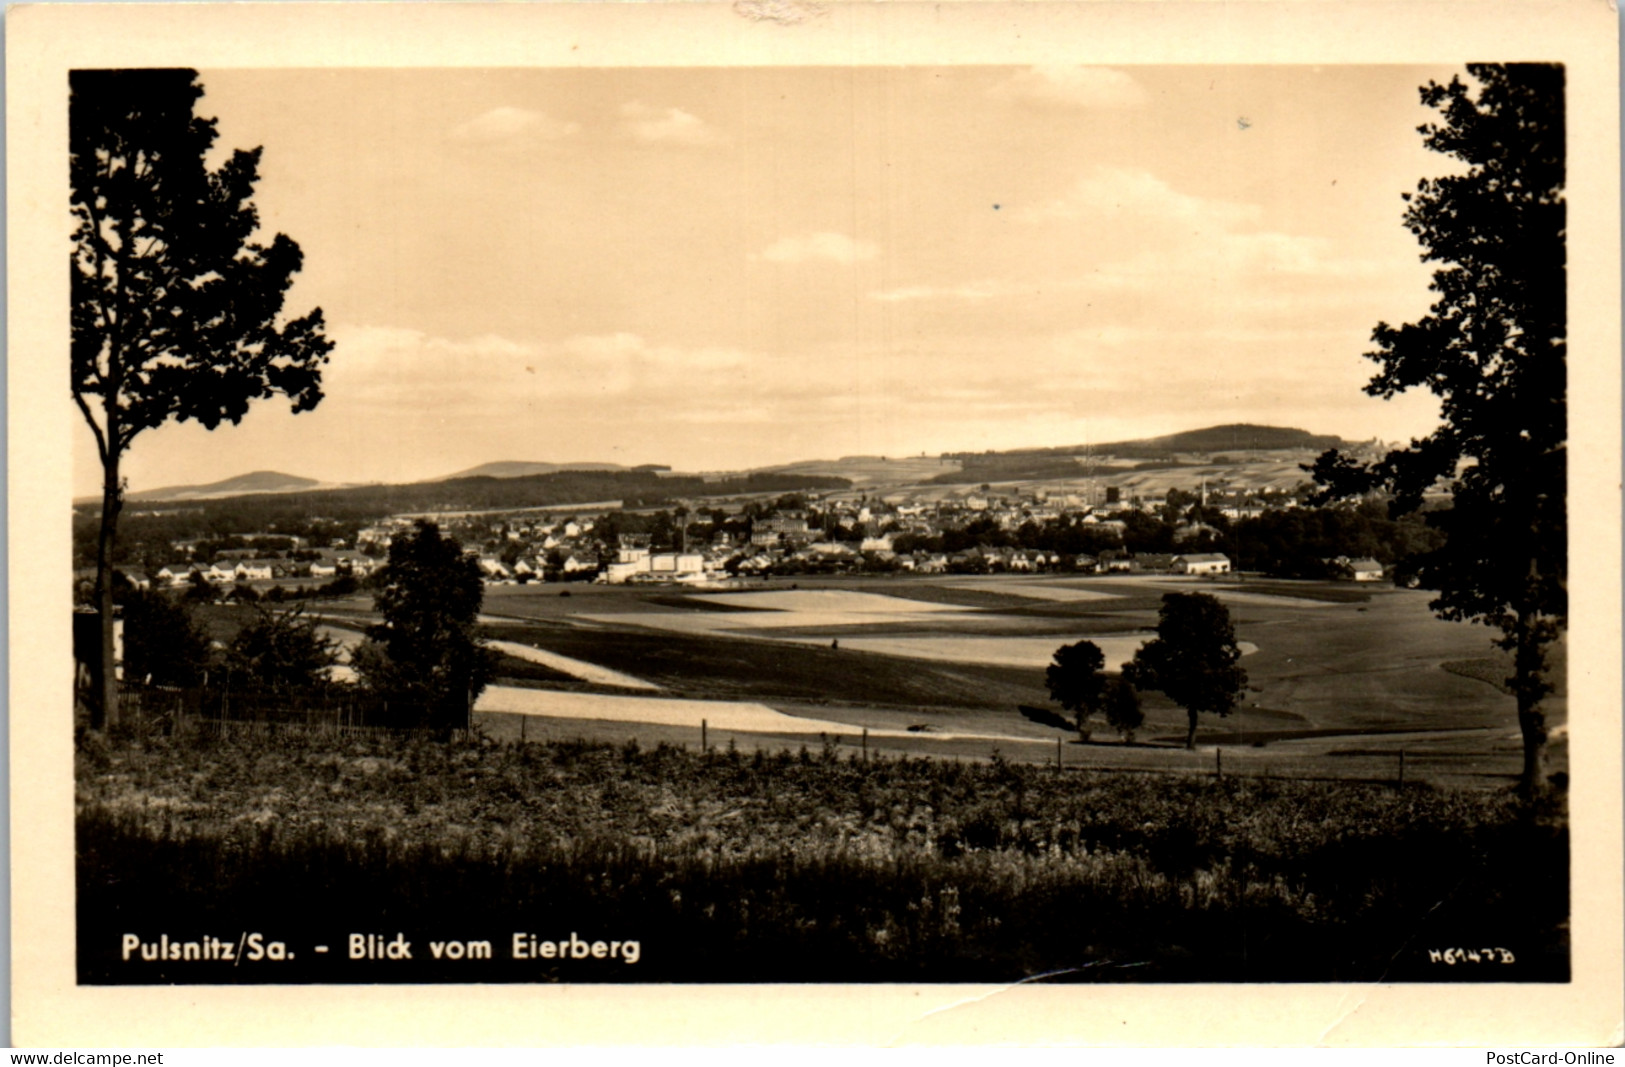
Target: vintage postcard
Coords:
[(823, 523)]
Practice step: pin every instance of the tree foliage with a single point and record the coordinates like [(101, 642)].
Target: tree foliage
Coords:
[(1492, 348), (280, 652), (1075, 680), (426, 654), (176, 309), (1192, 660), (1121, 702), (162, 645)]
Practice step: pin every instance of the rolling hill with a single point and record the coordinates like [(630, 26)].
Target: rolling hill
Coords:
[(1239, 454), (516, 468), (1230, 444), (242, 484), (1236, 437)]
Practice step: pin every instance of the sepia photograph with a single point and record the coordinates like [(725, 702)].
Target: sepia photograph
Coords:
[(842, 518)]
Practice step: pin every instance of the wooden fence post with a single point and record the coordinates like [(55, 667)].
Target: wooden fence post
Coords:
[(1057, 753), (704, 746), (1218, 761), (866, 744), (1401, 766)]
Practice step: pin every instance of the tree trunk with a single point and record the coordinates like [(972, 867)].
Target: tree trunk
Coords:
[(1532, 721), (1530, 684), (104, 707)]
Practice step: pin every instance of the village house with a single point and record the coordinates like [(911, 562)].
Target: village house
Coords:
[(176, 573), (576, 562), (756, 564), (1202, 563), (358, 564), (494, 570), (1366, 570), (254, 570), (1357, 570), (135, 576), (374, 535), (662, 566)]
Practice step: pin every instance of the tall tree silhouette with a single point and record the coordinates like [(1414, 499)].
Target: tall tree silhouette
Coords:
[(177, 312), (427, 655), (1492, 348), (1192, 660)]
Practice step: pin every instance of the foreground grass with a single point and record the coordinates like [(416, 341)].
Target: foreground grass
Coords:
[(796, 866)]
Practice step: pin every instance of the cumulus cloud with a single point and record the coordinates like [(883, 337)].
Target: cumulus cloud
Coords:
[(1140, 194), (511, 125), (1071, 86), (1124, 247), (667, 125), (834, 247)]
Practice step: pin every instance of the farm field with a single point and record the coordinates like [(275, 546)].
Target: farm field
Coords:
[(1341, 678)]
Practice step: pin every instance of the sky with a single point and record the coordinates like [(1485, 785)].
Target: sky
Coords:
[(727, 268)]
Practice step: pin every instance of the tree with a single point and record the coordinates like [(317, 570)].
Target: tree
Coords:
[(1192, 659), (1122, 703), (281, 651), (1492, 348), (162, 645), (176, 312), (1075, 681), (426, 654)]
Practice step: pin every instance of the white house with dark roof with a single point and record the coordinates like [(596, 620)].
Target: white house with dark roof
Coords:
[(254, 570), (1202, 563), (1364, 570), (176, 573)]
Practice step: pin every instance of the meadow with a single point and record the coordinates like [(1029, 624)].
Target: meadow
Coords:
[(1342, 679), (802, 864), (864, 802)]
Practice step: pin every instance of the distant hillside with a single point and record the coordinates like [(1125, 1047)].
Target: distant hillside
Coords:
[(296, 512), (870, 470), (515, 468), (1237, 437), (1237, 440), (243, 484)]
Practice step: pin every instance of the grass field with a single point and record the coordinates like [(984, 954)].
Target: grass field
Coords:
[(1343, 678), (800, 864)]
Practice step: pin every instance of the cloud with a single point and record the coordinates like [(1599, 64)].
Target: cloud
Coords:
[(513, 125), (654, 125), (1141, 195), (835, 247), (1071, 86)]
